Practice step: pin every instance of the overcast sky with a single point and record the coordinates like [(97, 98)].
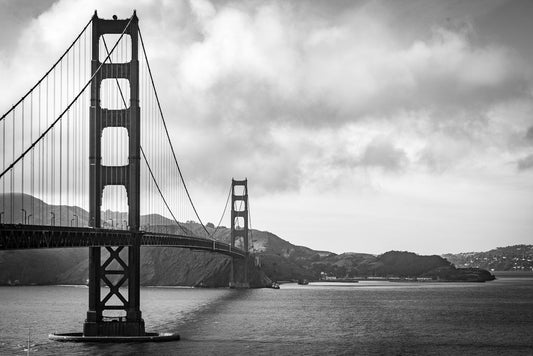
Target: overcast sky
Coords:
[(362, 126)]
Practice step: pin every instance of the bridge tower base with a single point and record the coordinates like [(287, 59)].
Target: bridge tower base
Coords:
[(114, 327), (237, 279)]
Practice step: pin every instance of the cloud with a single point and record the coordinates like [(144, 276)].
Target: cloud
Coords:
[(383, 154), (257, 68), (525, 163), (343, 115), (348, 68), (276, 90), (16, 15), (529, 134)]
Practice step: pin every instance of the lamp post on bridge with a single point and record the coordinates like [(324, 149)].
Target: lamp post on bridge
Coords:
[(24, 219), (52, 218), (77, 219), (28, 219)]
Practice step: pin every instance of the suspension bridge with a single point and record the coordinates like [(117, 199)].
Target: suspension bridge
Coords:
[(88, 161)]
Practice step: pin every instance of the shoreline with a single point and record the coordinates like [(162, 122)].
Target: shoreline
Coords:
[(497, 274)]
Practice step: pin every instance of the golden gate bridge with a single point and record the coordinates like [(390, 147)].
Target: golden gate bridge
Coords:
[(88, 161)]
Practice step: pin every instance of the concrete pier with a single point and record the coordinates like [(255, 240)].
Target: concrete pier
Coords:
[(147, 337)]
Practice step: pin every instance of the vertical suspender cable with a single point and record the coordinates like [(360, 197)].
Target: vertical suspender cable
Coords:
[(22, 178), (61, 143), (12, 172), (3, 167), (68, 149), (53, 155), (32, 162)]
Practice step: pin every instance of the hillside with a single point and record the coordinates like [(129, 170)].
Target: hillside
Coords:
[(510, 258), (159, 265), (276, 259)]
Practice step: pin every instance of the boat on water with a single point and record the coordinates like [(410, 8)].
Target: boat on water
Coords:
[(303, 282), (275, 285)]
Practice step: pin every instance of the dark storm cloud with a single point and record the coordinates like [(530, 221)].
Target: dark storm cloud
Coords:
[(342, 114), (233, 73), (328, 76), (525, 163), (256, 68), (14, 15), (529, 134), (383, 154)]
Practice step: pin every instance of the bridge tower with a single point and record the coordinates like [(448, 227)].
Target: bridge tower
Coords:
[(128, 176), (239, 229)]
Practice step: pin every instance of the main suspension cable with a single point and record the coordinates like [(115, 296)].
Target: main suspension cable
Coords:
[(223, 213), (159, 190), (142, 151), (168, 136), (67, 108), (48, 72)]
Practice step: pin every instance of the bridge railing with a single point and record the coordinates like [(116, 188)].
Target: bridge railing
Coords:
[(19, 237)]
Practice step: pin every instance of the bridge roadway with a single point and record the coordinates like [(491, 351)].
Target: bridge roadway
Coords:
[(20, 237)]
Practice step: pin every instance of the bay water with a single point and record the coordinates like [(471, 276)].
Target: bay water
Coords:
[(365, 318)]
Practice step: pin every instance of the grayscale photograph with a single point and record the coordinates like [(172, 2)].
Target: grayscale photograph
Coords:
[(266, 177)]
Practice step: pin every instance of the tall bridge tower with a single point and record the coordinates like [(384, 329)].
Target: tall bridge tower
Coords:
[(239, 229), (123, 271)]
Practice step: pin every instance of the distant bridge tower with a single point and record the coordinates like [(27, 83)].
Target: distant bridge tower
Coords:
[(115, 272), (239, 230)]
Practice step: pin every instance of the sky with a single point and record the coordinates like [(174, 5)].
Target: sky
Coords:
[(362, 126)]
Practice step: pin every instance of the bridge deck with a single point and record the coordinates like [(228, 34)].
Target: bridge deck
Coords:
[(20, 237)]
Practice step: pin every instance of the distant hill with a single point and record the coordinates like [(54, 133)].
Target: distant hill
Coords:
[(392, 264), (510, 258), (278, 259), (159, 265)]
